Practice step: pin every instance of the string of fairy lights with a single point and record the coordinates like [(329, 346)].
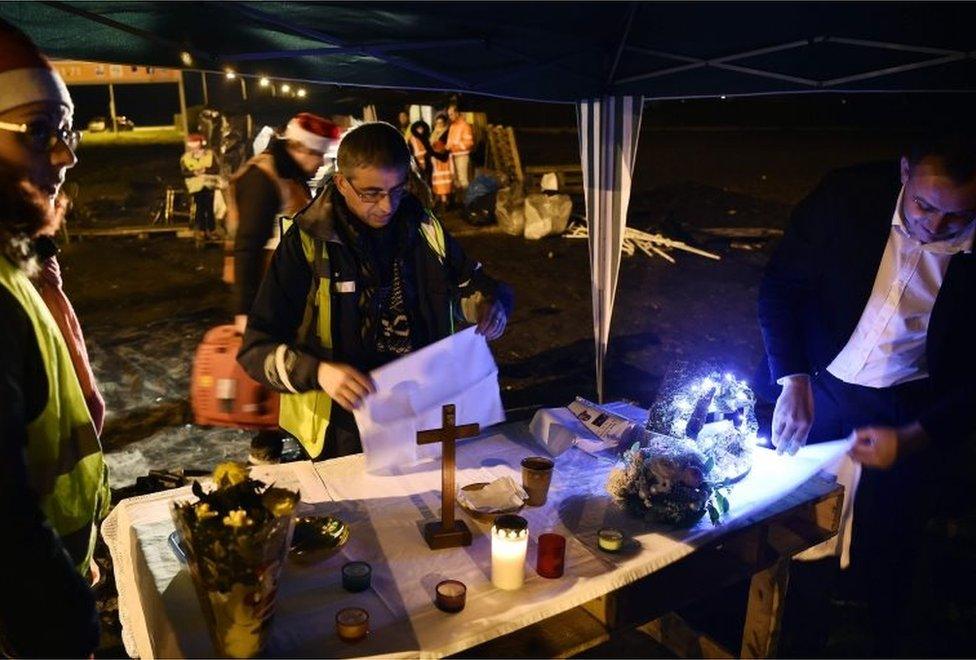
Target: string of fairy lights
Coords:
[(283, 89), (277, 89)]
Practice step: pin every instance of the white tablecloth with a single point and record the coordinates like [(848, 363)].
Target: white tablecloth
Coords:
[(161, 617)]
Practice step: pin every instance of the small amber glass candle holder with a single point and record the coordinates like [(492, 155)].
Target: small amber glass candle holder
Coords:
[(356, 576), (610, 539), (450, 596), (352, 624)]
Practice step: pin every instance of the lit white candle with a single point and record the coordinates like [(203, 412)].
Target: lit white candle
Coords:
[(509, 542)]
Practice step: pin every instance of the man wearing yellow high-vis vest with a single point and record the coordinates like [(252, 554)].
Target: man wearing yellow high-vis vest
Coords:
[(53, 481), (365, 274)]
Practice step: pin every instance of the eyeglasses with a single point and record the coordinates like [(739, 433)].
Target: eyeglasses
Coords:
[(44, 136), (375, 196)]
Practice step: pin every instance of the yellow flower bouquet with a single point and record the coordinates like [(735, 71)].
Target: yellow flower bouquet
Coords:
[(236, 537)]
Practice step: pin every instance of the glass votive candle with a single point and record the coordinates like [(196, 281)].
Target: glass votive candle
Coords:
[(551, 559), (352, 624), (610, 539), (356, 576), (509, 541), (450, 595)]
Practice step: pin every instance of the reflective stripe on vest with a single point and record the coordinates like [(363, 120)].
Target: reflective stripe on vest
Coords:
[(64, 458), (306, 415), (198, 182)]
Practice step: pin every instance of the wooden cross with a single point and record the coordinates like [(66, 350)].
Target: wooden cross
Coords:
[(447, 532)]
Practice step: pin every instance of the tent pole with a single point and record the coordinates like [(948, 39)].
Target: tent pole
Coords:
[(184, 120), (111, 106), (203, 82), (248, 127)]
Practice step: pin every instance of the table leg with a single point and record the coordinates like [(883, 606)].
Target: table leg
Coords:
[(764, 611)]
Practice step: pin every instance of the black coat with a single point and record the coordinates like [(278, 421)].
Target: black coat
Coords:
[(279, 308), (258, 204), (820, 277)]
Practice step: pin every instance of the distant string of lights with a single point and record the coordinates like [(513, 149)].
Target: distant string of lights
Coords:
[(283, 89)]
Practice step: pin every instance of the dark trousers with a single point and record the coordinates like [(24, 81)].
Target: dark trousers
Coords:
[(889, 511), (204, 218)]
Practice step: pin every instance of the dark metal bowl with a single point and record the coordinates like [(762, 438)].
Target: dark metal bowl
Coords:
[(317, 538)]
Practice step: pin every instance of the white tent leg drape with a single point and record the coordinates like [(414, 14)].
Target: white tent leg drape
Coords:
[(609, 128)]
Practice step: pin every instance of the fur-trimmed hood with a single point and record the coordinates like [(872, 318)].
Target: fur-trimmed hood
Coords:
[(24, 213)]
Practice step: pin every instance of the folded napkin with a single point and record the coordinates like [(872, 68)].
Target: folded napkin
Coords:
[(502, 494)]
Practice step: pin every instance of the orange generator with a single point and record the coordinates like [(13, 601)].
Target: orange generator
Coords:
[(221, 392)]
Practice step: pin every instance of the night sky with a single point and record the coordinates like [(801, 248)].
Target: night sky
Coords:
[(156, 105)]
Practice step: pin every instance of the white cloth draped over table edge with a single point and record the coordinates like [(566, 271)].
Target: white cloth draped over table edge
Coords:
[(578, 506)]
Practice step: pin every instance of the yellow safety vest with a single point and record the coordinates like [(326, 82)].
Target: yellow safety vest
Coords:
[(198, 182), (65, 464), (306, 415)]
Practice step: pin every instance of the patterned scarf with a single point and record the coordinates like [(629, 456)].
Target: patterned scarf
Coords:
[(381, 306)]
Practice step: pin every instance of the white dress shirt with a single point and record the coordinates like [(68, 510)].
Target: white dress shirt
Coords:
[(888, 344)]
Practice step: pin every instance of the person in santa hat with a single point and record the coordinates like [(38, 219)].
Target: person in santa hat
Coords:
[(53, 479), (199, 167), (272, 185)]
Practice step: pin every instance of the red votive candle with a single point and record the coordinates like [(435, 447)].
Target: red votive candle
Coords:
[(552, 555), (352, 623), (450, 596)]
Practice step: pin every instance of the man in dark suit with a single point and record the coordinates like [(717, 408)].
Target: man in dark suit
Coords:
[(868, 313)]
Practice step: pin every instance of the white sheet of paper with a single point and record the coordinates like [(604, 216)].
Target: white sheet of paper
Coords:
[(410, 392), (776, 471)]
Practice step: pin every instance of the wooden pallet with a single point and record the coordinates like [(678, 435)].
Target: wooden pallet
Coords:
[(503, 154), (570, 177)]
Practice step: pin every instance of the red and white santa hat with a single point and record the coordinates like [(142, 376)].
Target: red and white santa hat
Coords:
[(26, 76), (314, 132), (195, 140)]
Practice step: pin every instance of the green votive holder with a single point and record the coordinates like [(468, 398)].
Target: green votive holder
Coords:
[(610, 539), (356, 576)]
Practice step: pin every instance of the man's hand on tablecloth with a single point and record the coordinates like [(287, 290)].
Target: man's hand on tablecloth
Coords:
[(346, 385), (881, 446), (793, 415), (491, 320)]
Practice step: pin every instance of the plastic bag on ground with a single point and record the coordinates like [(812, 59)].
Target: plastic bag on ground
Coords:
[(510, 211), (546, 215)]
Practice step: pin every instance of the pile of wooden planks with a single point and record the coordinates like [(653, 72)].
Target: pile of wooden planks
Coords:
[(649, 244)]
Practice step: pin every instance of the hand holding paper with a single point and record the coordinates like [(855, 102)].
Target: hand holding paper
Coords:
[(346, 385), (491, 320), (410, 392)]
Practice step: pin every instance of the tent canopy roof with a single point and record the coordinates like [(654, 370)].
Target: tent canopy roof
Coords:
[(541, 51)]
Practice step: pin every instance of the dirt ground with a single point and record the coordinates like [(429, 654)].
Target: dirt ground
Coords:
[(145, 304)]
